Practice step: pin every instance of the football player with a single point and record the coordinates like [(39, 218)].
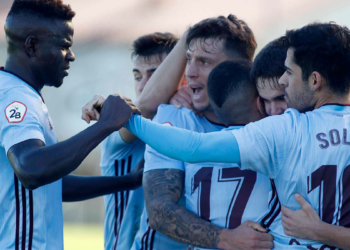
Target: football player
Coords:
[(204, 46), (39, 36), (122, 150)]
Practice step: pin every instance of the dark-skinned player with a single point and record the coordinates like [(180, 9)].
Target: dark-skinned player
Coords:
[(39, 36)]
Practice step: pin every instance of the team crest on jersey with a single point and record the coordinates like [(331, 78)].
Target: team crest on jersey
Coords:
[(167, 123), (15, 112)]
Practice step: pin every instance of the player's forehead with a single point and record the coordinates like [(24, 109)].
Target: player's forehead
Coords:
[(206, 48), (268, 89), (289, 62), (59, 30), (144, 63)]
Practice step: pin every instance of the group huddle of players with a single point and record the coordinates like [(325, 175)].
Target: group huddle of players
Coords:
[(240, 153)]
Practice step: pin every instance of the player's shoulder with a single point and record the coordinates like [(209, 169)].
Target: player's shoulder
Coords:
[(12, 87), (167, 113)]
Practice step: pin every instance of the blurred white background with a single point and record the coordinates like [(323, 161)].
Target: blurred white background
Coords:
[(104, 31)]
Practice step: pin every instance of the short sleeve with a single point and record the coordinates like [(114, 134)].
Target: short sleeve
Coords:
[(167, 115), (20, 117), (264, 145)]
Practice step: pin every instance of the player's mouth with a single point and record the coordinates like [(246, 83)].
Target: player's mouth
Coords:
[(197, 93), (65, 71)]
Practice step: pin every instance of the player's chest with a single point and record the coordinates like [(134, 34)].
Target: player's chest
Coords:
[(49, 130)]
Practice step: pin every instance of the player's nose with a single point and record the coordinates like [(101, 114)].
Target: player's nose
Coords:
[(283, 81), (191, 70), (142, 84), (70, 56), (276, 109)]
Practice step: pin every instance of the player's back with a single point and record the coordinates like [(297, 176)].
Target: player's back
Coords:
[(220, 193), (318, 165), (305, 153), (31, 219)]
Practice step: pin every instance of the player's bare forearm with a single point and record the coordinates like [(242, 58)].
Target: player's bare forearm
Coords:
[(36, 164), (332, 235), (164, 81), (79, 188), (163, 189)]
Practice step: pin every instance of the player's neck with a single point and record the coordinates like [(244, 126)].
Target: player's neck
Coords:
[(335, 99), (246, 114), (23, 72), (212, 117)]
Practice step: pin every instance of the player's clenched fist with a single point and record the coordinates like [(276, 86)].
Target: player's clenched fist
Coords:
[(249, 235), (117, 110)]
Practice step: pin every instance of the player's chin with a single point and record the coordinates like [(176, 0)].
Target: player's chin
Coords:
[(57, 83), (201, 106)]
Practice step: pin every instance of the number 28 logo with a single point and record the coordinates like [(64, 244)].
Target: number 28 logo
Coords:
[(15, 112)]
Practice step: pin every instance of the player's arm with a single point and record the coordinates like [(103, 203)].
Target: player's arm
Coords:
[(78, 188), (185, 145), (165, 80), (36, 164), (306, 224), (163, 189), (159, 89)]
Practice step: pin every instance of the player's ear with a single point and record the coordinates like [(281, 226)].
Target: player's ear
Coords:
[(316, 80), (30, 46), (261, 107)]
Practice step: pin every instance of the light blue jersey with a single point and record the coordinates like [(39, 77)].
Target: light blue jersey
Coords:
[(28, 219), (123, 209), (147, 238), (220, 193), (304, 153)]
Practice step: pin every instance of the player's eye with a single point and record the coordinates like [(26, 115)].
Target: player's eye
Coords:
[(189, 60), (138, 78), (204, 62)]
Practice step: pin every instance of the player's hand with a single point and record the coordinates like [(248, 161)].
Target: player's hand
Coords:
[(249, 235), (90, 110), (137, 173), (183, 98), (300, 223), (117, 110)]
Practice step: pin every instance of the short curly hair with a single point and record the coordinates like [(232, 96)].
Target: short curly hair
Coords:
[(325, 48), (269, 62), (154, 44), (53, 9), (237, 41)]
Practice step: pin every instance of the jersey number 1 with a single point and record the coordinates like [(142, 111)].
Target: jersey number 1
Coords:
[(325, 177)]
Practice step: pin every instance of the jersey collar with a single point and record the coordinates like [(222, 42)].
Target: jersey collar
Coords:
[(335, 107), (3, 69)]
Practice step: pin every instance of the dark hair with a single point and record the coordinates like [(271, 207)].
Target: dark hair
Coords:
[(154, 44), (325, 48), (238, 42), (227, 78), (269, 63), (54, 9)]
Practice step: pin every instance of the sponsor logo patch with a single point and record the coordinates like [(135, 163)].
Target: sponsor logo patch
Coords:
[(167, 123), (15, 112)]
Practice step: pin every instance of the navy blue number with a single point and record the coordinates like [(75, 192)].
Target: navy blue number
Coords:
[(13, 114)]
